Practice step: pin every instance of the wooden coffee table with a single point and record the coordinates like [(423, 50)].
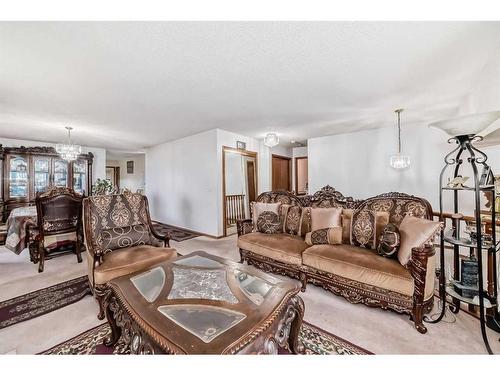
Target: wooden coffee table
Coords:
[(204, 304)]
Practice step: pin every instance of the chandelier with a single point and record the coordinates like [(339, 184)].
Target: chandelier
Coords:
[(399, 161), (68, 151), (271, 140)]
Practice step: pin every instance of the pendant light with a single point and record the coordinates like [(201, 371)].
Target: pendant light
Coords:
[(68, 151), (399, 161)]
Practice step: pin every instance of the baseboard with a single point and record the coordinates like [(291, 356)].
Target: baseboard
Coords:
[(189, 230)]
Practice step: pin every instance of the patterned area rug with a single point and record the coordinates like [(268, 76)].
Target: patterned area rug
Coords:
[(43, 301), (176, 234), (314, 339)]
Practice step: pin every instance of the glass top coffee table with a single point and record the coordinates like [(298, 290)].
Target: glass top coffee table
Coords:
[(204, 304)]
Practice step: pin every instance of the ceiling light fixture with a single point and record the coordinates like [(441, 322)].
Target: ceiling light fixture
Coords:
[(399, 161), (271, 140), (68, 151)]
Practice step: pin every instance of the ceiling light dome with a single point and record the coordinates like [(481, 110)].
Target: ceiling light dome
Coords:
[(271, 140)]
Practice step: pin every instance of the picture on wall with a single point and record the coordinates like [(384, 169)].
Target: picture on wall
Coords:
[(130, 167)]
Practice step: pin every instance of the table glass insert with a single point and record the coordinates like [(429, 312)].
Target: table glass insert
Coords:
[(253, 286), (205, 322), (150, 283), (198, 261)]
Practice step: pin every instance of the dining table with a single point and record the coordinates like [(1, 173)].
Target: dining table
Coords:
[(17, 224)]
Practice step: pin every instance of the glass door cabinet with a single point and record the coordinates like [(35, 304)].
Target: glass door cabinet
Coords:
[(26, 171)]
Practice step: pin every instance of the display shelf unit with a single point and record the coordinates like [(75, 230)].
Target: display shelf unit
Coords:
[(467, 154)]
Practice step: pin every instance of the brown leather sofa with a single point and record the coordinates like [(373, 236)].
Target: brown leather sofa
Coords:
[(120, 239), (358, 274)]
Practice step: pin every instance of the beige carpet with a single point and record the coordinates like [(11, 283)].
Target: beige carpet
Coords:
[(378, 331)]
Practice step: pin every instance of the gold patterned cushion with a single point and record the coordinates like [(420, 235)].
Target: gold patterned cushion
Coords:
[(119, 238), (292, 219), (258, 207), (415, 232), (389, 241), (366, 225), (325, 236), (346, 225), (269, 222)]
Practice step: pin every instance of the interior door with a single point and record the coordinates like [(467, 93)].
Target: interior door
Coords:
[(281, 173), (251, 180)]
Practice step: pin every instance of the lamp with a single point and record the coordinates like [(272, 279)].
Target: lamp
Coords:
[(480, 124), (68, 151), (399, 161), (271, 140)]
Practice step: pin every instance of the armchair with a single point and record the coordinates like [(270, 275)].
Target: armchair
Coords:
[(59, 223), (120, 239)]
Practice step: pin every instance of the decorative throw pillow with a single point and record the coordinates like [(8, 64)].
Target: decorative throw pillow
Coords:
[(365, 227), (258, 207), (325, 218), (415, 232), (346, 225), (292, 219), (269, 222), (389, 241), (325, 236)]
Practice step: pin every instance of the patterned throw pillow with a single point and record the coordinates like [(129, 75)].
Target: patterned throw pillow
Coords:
[(269, 222), (389, 241), (292, 219), (365, 227), (259, 207), (325, 236)]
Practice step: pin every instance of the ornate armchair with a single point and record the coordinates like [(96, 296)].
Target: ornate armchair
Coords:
[(120, 239), (59, 224)]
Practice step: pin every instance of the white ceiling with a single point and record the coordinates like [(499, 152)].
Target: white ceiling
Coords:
[(129, 85)]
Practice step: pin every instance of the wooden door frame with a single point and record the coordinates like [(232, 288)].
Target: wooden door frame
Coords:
[(289, 169), (241, 152), (116, 176), (296, 168)]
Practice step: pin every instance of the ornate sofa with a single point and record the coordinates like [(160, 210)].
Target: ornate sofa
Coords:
[(358, 274), (120, 239)]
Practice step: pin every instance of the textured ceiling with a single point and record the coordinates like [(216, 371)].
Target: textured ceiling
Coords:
[(129, 85)]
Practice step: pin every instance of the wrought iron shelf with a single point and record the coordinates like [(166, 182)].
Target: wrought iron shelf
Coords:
[(466, 188), (449, 238), (487, 303)]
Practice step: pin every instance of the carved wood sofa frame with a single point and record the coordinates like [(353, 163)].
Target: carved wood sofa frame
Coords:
[(353, 291)]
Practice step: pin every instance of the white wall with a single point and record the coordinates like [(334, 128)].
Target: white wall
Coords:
[(132, 181), (99, 164), (357, 164), (182, 182)]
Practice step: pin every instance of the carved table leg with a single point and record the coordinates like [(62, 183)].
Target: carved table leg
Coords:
[(41, 255), (79, 252), (110, 305), (293, 340)]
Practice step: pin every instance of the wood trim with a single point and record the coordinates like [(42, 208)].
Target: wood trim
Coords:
[(241, 152), (289, 168), (116, 175), (296, 167)]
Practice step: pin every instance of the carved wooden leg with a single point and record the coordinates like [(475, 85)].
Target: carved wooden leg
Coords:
[(100, 294), (418, 316), (116, 331), (303, 280), (78, 252), (241, 256), (41, 257), (293, 339)]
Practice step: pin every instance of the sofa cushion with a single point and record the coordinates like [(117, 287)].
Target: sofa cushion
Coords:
[(126, 261), (129, 236), (361, 265), (55, 241), (284, 248), (389, 241), (325, 218), (292, 219), (346, 225), (325, 236), (366, 227), (269, 222), (415, 232), (259, 207)]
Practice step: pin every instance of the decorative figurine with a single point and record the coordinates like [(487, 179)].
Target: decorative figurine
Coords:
[(458, 182)]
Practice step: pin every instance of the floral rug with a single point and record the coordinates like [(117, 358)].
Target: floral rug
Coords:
[(314, 339), (43, 301), (176, 234)]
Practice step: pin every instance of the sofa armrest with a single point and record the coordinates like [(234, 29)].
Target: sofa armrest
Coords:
[(244, 226), (418, 269), (165, 239)]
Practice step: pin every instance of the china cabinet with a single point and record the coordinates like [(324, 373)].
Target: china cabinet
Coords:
[(26, 171)]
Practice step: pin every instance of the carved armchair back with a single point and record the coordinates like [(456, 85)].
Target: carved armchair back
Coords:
[(116, 221), (398, 205), (58, 211)]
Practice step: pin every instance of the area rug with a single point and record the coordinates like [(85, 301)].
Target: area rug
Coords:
[(43, 301), (176, 234), (314, 339)]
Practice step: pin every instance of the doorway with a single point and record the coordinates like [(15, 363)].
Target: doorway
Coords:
[(281, 173), (113, 176), (301, 175), (239, 186)]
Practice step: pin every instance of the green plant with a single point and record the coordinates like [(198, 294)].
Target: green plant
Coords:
[(101, 187)]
